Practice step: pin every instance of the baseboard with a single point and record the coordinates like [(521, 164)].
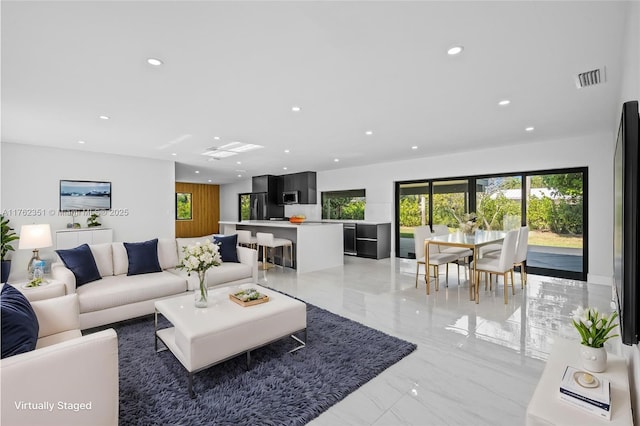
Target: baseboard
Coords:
[(599, 279)]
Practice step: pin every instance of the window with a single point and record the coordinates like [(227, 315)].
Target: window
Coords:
[(551, 202), (499, 202), (348, 204), (413, 211), (183, 206), (450, 202), (555, 215)]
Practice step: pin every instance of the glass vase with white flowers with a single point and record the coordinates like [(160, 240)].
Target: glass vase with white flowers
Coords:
[(199, 258)]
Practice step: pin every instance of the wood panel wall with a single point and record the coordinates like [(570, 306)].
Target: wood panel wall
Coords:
[(205, 200)]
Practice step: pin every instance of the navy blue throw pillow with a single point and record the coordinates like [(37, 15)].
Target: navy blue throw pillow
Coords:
[(81, 262), (143, 257), (19, 322), (227, 244)]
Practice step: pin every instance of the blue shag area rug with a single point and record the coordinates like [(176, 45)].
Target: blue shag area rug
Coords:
[(281, 388)]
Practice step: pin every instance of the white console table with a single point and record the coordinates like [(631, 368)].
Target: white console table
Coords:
[(70, 238), (546, 408)]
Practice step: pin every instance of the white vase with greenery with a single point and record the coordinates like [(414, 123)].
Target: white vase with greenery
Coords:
[(594, 329)]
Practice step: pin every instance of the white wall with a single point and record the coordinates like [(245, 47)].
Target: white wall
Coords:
[(594, 152), (143, 188), (229, 198)]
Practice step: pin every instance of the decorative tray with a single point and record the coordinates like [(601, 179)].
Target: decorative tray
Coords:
[(248, 297)]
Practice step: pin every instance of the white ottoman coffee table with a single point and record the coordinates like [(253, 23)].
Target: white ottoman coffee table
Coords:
[(203, 337)]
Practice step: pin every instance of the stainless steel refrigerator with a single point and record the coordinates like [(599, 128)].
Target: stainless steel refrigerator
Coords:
[(259, 207)]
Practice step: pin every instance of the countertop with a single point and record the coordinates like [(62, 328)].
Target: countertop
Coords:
[(309, 222), (277, 223), (363, 222)]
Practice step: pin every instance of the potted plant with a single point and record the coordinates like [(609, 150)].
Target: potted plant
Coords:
[(8, 236), (594, 329), (92, 221)]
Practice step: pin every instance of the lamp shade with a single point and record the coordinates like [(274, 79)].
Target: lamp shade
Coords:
[(35, 236)]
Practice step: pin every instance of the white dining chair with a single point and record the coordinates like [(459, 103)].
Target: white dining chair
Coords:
[(490, 250), (436, 259), (520, 259), (464, 254), (522, 247), (420, 234), (502, 265)]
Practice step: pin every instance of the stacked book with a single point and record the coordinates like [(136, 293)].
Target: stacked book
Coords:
[(586, 391)]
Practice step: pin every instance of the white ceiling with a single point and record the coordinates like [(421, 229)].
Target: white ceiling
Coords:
[(235, 69)]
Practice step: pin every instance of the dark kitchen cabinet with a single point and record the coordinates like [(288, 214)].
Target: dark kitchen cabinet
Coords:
[(304, 183), (269, 184), (373, 240)]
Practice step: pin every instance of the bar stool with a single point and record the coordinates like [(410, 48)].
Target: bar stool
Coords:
[(267, 241), (245, 239)]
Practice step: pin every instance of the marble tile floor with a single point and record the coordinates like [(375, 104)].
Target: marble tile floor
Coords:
[(475, 364)]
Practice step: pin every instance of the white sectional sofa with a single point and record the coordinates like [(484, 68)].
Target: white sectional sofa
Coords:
[(65, 368), (118, 296)]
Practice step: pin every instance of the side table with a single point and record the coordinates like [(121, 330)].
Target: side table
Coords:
[(51, 289), (546, 408)]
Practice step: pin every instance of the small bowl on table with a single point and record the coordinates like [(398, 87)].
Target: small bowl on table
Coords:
[(296, 219)]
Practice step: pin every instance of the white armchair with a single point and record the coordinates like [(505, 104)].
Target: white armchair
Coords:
[(68, 379)]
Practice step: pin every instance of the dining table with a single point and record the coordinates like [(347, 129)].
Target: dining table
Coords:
[(473, 241)]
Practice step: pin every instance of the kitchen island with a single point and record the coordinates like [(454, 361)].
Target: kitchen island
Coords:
[(316, 245)]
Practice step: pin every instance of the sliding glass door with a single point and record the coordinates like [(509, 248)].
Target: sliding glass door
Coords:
[(556, 219), (552, 203), (413, 210), (450, 202), (499, 202)]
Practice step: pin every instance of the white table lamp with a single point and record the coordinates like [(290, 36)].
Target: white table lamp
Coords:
[(35, 237)]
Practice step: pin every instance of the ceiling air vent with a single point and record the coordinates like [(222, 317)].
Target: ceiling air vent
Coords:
[(591, 78)]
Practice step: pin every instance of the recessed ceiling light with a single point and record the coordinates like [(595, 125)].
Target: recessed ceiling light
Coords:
[(81, 142), (336, 160), (104, 117), (239, 175), (504, 102), (209, 180), (284, 168), (174, 154), (529, 129), (238, 162), (295, 108), (455, 50), (154, 61), (368, 133), (414, 147), (286, 151), (197, 171), (216, 138)]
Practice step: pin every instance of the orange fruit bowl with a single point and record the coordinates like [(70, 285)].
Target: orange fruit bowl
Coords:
[(296, 219)]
